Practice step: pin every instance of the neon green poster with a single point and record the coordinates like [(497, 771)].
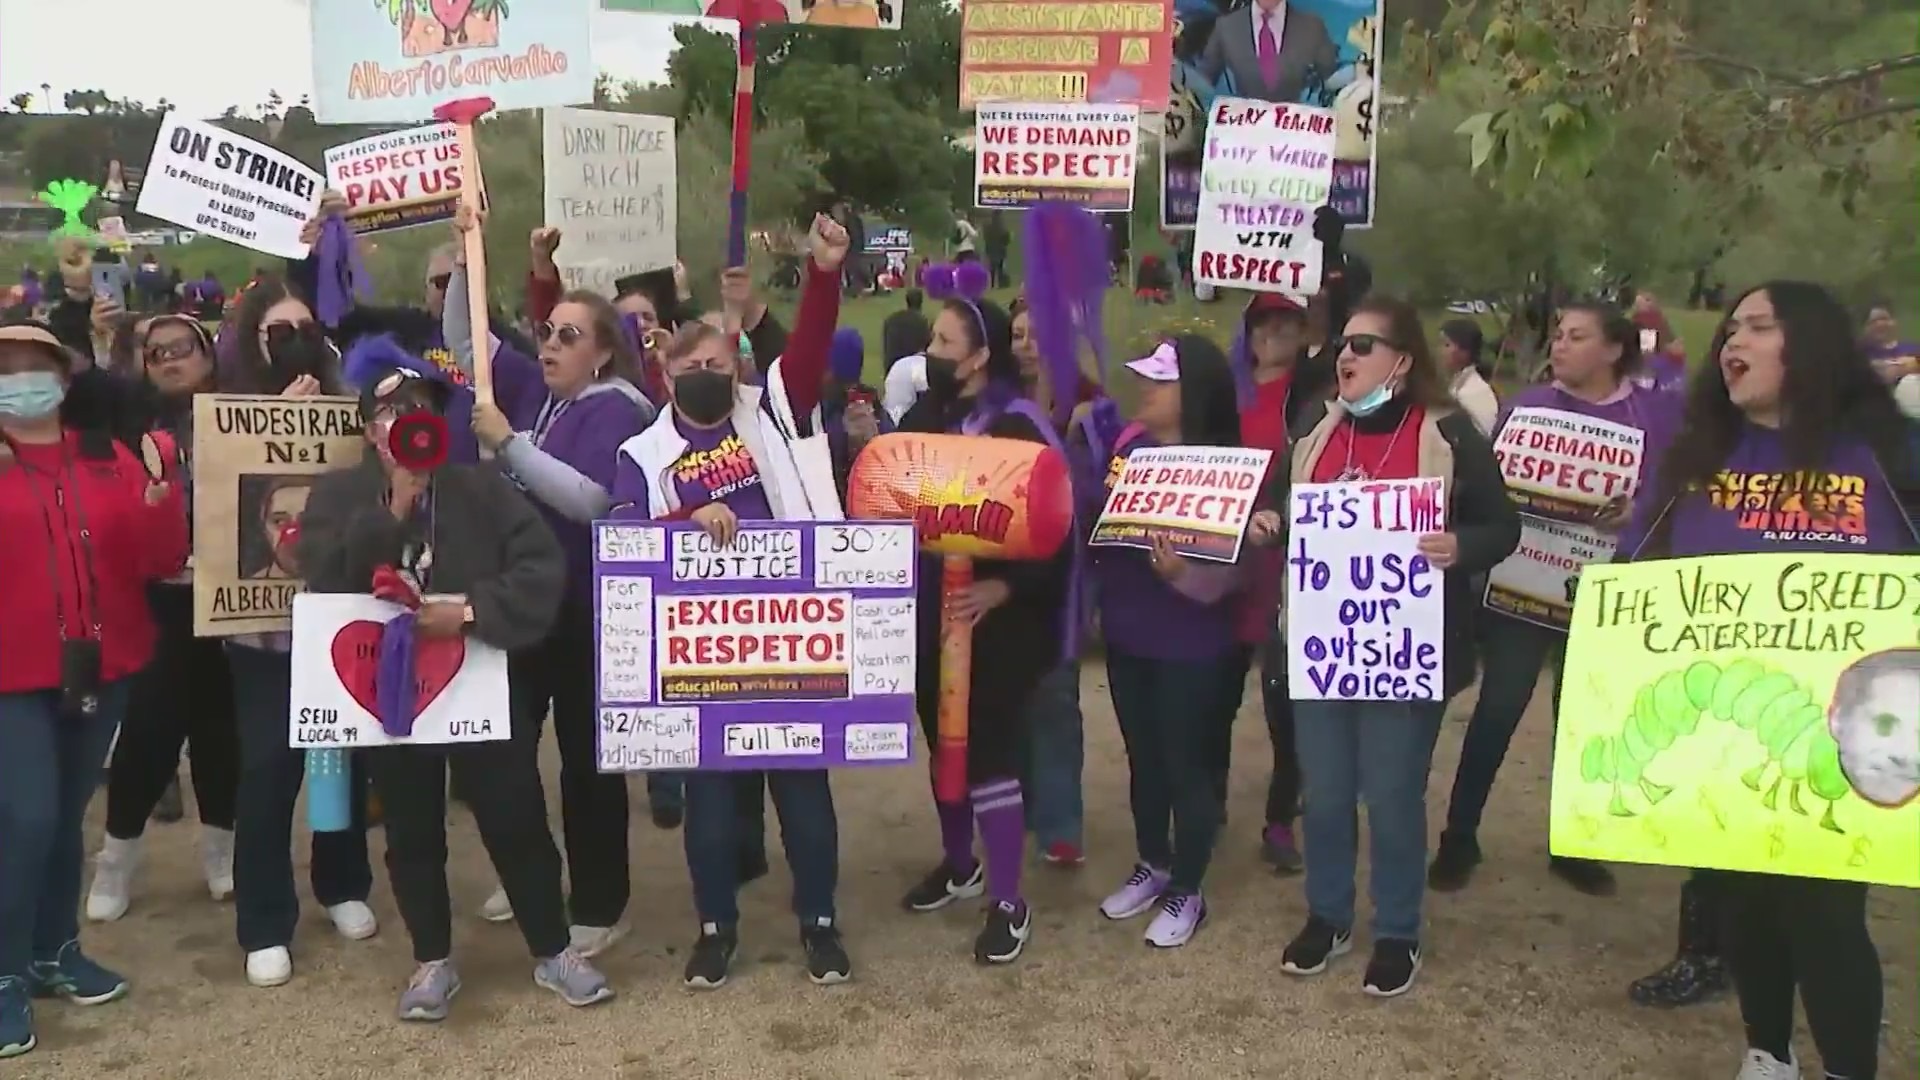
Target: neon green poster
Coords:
[(1745, 712)]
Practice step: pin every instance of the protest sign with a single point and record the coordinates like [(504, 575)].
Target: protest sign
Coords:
[(1268, 168), (213, 181), (1329, 52), (1744, 712), (1366, 612), (853, 14), (398, 180), (792, 648), (113, 233), (394, 63), (1082, 154), (460, 683), (1038, 51), (254, 463), (610, 191), (1562, 469), (1199, 497)]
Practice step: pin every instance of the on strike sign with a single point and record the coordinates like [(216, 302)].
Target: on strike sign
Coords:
[(1267, 168), (1027, 154), (398, 180), (1366, 612), (1199, 497)]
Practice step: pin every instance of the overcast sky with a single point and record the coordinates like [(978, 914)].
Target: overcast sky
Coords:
[(150, 49)]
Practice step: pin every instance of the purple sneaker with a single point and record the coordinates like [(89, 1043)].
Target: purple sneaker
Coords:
[(1181, 913), (1137, 894), (1277, 847)]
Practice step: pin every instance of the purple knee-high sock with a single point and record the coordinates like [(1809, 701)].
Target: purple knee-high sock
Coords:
[(999, 809), (956, 835)]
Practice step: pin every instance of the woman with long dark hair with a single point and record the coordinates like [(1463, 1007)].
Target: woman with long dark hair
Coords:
[(1790, 410)]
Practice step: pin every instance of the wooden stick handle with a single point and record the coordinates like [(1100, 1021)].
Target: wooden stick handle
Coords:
[(473, 195)]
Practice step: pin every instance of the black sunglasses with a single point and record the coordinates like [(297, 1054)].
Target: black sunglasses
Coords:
[(283, 332), (568, 333), (439, 281), (1363, 344)]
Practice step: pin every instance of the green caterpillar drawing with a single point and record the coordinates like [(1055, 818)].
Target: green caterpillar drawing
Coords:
[(1790, 722)]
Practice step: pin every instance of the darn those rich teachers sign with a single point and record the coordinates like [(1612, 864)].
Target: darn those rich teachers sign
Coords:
[(610, 191)]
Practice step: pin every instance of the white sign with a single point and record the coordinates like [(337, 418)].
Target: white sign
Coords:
[(229, 187), (863, 556), (633, 740), (398, 180), (1199, 497), (1536, 582), (878, 742), (1078, 153), (754, 555), (774, 740), (460, 683), (1365, 611), (626, 638), (1266, 169), (884, 647), (610, 182)]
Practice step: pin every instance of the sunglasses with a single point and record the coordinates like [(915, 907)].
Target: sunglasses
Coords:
[(164, 352), (566, 332), (1363, 344), (282, 333), (439, 281)]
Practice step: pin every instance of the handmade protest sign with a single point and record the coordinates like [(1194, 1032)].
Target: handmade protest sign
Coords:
[(1365, 611), (398, 180), (1268, 168), (459, 683), (1562, 469), (1744, 712), (213, 181), (792, 648), (1082, 154), (395, 62), (254, 463), (1035, 51), (610, 191), (1198, 497)]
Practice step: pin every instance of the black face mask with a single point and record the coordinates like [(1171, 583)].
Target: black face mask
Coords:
[(703, 396), (943, 378)]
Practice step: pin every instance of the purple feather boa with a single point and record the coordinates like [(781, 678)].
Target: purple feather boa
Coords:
[(393, 689), (1066, 283), (342, 277)]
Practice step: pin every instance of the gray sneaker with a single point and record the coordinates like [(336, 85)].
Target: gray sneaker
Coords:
[(577, 982), (430, 992)]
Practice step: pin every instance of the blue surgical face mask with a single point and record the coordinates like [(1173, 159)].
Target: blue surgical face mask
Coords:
[(1375, 399), (30, 395)]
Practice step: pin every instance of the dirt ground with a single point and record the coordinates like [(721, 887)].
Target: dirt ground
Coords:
[(1524, 977)]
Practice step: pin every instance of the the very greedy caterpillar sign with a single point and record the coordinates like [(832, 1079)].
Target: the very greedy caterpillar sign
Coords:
[(791, 648), (254, 462), (1745, 712)]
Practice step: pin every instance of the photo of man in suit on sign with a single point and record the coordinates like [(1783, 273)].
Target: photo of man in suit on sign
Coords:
[(1271, 50)]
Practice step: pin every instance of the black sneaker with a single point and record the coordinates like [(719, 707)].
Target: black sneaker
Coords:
[(1453, 864), (1689, 980), (712, 956), (1314, 947), (943, 887), (752, 867), (827, 961), (1005, 936), (1390, 973), (1588, 876)]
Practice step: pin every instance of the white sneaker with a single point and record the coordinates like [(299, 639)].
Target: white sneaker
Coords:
[(591, 941), (354, 919), (216, 861), (113, 870), (1760, 1065), (497, 908), (269, 967)]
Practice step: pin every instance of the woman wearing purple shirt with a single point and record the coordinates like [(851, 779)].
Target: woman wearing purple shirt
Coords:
[(555, 427), (1791, 407), (1595, 350)]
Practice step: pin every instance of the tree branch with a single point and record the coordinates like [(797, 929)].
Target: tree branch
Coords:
[(1804, 83), (1888, 108)]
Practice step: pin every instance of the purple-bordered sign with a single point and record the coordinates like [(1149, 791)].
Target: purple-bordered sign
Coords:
[(792, 648)]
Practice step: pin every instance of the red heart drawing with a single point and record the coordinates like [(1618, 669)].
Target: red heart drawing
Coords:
[(356, 657)]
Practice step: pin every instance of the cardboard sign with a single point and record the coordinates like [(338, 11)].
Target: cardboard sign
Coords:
[(793, 648), (1199, 497), (1037, 51), (610, 190), (398, 180), (218, 183), (1083, 154), (1268, 168), (460, 683), (254, 462)]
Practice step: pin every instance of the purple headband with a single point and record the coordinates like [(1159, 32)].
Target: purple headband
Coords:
[(966, 282)]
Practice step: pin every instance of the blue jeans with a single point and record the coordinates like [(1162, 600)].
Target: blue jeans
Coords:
[(266, 907), (1379, 751), (1513, 653), (49, 767), (808, 830), (1056, 756)]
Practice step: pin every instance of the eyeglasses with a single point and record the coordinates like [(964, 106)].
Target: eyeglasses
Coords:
[(282, 333), (1363, 344), (566, 332), (439, 281), (163, 352)]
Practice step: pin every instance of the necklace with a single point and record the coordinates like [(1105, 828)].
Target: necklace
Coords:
[(1351, 472)]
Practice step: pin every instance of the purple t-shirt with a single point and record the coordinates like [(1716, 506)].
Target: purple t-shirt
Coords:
[(1892, 350), (715, 466)]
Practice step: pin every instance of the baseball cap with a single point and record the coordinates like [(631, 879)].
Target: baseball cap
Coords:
[(1161, 365), (37, 334)]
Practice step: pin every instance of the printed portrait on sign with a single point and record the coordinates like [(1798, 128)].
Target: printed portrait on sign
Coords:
[(269, 505)]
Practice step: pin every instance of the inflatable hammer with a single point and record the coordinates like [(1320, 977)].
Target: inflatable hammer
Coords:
[(968, 497)]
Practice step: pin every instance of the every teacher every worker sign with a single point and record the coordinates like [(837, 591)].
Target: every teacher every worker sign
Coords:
[(793, 647), (1267, 169)]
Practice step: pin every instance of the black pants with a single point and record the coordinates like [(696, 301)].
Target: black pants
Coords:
[(593, 805), (1810, 934), (1283, 786), (501, 781), (185, 696)]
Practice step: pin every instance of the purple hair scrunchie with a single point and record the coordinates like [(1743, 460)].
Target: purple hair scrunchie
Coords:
[(393, 689), (342, 277)]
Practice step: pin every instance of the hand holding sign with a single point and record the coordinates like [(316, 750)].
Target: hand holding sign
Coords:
[(1441, 549), (719, 521)]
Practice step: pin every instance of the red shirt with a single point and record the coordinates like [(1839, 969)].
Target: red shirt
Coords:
[(1263, 426), (1393, 454)]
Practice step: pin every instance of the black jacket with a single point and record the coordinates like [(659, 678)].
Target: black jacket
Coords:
[(488, 543)]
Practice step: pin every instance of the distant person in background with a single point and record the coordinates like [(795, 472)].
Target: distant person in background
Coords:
[(31, 293), (1119, 244), (1656, 333), (1461, 348), (1891, 356), (150, 283), (997, 239), (856, 277), (207, 299), (966, 239), (906, 331)]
